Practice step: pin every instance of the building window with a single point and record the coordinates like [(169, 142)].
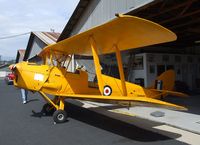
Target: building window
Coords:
[(178, 71), (139, 81), (165, 58), (190, 59), (160, 69), (177, 58), (138, 63), (168, 67), (151, 58), (152, 69)]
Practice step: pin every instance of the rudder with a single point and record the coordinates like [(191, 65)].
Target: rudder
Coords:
[(165, 81)]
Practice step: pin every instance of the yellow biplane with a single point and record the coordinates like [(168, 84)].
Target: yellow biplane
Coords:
[(122, 33)]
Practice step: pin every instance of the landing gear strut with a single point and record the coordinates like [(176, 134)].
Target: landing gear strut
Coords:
[(48, 109), (55, 107)]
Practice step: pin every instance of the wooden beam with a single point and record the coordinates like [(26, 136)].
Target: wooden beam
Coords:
[(171, 8), (163, 5), (189, 38), (185, 24), (186, 8), (194, 30), (179, 17), (135, 11)]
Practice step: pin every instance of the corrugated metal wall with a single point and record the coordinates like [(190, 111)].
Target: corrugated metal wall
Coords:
[(101, 11)]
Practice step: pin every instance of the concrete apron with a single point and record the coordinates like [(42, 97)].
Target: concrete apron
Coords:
[(186, 124)]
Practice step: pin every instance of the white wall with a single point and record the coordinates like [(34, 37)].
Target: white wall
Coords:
[(139, 73), (188, 70)]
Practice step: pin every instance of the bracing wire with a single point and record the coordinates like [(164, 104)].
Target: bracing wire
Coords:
[(13, 36)]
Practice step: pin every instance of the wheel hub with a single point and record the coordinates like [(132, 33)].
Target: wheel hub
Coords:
[(60, 117)]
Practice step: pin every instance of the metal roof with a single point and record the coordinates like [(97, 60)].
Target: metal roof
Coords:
[(46, 37)]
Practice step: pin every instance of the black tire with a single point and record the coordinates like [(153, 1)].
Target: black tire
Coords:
[(60, 116), (48, 109)]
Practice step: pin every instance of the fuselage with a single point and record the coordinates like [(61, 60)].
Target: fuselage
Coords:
[(51, 79), (57, 80)]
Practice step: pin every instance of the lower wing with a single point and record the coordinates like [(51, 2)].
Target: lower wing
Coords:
[(123, 98)]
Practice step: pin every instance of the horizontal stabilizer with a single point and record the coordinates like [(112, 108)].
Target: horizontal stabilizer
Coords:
[(173, 93)]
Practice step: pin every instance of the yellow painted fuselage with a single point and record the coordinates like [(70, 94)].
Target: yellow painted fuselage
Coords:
[(52, 80), (58, 81)]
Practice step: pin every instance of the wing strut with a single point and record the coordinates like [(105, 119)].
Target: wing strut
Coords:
[(121, 70), (96, 63)]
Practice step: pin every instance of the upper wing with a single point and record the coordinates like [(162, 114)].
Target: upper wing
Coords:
[(124, 98), (127, 32)]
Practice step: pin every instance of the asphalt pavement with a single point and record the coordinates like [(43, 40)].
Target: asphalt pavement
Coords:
[(24, 124)]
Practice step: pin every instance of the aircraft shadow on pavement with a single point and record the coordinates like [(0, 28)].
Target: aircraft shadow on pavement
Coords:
[(32, 100), (134, 132), (192, 103), (38, 114)]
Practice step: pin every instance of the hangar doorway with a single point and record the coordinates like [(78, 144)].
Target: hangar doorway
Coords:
[(183, 18)]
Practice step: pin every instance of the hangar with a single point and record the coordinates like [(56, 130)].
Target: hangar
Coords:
[(143, 65), (37, 41), (20, 55)]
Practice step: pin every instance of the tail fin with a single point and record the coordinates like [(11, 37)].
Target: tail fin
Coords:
[(165, 81), (164, 85)]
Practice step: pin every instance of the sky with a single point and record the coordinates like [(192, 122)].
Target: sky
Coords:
[(22, 16)]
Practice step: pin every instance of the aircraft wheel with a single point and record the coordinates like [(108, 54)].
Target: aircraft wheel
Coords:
[(59, 116), (48, 109)]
